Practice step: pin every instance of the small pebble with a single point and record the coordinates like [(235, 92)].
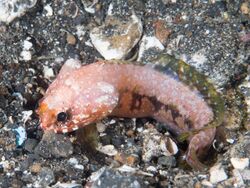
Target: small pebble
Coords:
[(149, 42), (240, 163), (48, 72), (35, 168), (113, 121), (45, 177), (21, 135), (217, 174), (71, 39), (245, 174), (49, 10), (108, 150), (30, 144), (67, 185), (238, 178), (124, 159), (26, 55), (206, 183), (116, 37), (151, 169), (100, 127), (54, 145), (3, 118), (130, 133), (167, 161), (244, 8), (113, 178), (73, 161), (161, 31)]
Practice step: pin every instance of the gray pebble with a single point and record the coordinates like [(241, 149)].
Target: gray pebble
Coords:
[(30, 144), (54, 145), (167, 161), (45, 177)]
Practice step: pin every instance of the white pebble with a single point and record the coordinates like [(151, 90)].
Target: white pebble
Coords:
[(238, 178), (26, 55), (206, 183), (27, 44), (126, 168), (108, 150), (230, 141), (112, 122), (240, 163), (79, 167), (149, 42), (217, 174), (73, 161), (100, 127), (48, 72), (151, 169), (49, 10)]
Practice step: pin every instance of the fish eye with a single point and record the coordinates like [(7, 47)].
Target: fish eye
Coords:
[(62, 116)]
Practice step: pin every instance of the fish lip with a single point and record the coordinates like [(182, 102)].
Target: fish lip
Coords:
[(66, 127)]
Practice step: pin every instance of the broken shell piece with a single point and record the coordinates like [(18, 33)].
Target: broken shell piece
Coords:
[(21, 135), (10, 9), (126, 168), (168, 146), (155, 144), (66, 185), (108, 150), (89, 6), (147, 43), (116, 37), (240, 163)]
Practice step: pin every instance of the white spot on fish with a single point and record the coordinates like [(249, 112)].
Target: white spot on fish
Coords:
[(107, 88), (94, 110), (102, 99), (75, 121)]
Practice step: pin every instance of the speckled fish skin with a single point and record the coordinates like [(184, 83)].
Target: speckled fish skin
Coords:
[(118, 88)]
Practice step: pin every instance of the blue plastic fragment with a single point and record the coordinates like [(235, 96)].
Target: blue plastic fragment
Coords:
[(21, 135)]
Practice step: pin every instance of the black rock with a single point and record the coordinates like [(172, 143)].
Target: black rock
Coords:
[(30, 145), (54, 145)]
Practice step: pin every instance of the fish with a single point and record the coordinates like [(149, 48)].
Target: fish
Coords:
[(166, 89)]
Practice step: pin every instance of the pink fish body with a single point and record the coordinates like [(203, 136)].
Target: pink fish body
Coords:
[(81, 95)]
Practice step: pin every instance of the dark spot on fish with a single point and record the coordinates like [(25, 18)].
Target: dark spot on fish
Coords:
[(189, 124), (157, 104), (136, 101)]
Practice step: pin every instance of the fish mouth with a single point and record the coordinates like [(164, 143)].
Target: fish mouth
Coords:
[(66, 127)]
